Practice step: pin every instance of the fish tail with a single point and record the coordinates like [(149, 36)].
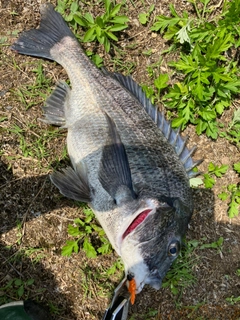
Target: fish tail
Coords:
[(38, 42)]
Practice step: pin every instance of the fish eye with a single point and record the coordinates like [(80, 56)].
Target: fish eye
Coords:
[(174, 248)]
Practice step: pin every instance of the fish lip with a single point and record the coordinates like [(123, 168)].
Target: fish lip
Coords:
[(138, 219)]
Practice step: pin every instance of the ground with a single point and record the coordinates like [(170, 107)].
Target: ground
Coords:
[(34, 217)]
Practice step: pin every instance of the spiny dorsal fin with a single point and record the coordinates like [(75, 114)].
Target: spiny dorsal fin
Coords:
[(55, 105), (173, 136), (114, 172), (72, 183)]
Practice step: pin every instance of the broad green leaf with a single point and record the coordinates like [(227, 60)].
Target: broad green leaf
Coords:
[(88, 229), (106, 44), (161, 81), (89, 35), (117, 27), (111, 36), (30, 282), (163, 22), (208, 181), (201, 126), (120, 20), (73, 231), (74, 7), (223, 196), (105, 248), (233, 86), (89, 249), (89, 18), (18, 282), (208, 115), (98, 31), (236, 167), (69, 247), (233, 209), (212, 130), (236, 117), (115, 10), (143, 18), (80, 20), (219, 108), (171, 32), (20, 291), (177, 122), (100, 23)]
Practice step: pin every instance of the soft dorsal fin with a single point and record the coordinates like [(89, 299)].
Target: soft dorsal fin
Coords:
[(72, 183), (173, 136), (114, 172), (55, 105)]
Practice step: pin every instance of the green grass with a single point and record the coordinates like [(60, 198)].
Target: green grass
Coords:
[(31, 95), (32, 144), (15, 289), (181, 275), (234, 300), (209, 77), (102, 28), (86, 231)]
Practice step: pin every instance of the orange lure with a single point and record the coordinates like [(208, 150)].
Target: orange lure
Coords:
[(132, 288)]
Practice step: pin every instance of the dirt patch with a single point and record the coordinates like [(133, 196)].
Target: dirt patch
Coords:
[(77, 287)]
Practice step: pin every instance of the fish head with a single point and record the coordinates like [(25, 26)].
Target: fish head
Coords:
[(152, 241)]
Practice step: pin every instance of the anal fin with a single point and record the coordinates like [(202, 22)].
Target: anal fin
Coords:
[(55, 105)]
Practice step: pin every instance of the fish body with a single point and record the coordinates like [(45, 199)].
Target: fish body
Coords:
[(127, 163)]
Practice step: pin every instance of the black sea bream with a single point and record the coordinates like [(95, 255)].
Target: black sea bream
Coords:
[(127, 163)]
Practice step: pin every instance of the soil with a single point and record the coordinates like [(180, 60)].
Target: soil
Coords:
[(34, 217)]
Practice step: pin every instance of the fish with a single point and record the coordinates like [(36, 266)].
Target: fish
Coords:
[(127, 163)]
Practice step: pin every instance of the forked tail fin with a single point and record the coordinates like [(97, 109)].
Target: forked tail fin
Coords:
[(38, 42)]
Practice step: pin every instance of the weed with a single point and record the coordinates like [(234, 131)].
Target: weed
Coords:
[(118, 265), (84, 229), (214, 245), (210, 76), (150, 315), (232, 133), (232, 193), (102, 28), (213, 170), (180, 275), (97, 60), (32, 144), (15, 289), (144, 16), (29, 94), (233, 300)]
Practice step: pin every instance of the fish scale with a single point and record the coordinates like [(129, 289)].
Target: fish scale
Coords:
[(127, 163)]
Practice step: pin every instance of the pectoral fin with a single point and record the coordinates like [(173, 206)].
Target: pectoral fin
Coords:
[(73, 183), (115, 174)]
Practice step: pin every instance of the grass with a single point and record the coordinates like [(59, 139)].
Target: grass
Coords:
[(31, 95), (15, 289)]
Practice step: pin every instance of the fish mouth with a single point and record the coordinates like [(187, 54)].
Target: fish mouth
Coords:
[(136, 222)]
